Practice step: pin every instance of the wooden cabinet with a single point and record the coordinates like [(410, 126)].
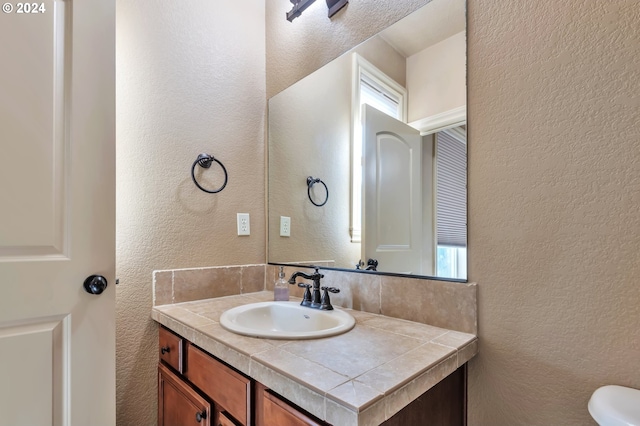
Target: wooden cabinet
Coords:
[(210, 393), (178, 403), (170, 349), (196, 389), (443, 404), (223, 420), (229, 389), (276, 411)]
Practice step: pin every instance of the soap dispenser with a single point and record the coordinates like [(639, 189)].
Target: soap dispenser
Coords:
[(281, 287)]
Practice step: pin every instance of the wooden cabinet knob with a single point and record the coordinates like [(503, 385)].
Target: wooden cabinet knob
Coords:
[(201, 416)]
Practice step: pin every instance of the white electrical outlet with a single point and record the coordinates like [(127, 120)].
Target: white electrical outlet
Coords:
[(285, 226), (244, 226)]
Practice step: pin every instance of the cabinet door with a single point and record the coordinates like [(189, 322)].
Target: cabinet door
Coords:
[(178, 403), (230, 390), (278, 412)]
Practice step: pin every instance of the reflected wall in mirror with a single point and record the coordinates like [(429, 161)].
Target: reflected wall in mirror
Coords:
[(384, 127)]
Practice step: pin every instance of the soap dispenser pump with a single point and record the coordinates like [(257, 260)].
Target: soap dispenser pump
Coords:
[(281, 287)]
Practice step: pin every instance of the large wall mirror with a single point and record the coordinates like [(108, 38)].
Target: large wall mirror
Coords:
[(367, 155)]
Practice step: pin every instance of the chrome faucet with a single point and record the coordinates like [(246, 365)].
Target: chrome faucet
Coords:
[(314, 301)]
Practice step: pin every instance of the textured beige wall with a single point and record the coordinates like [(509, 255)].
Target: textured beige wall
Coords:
[(554, 178), (436, 78), (554, 190), (309, 126), (189, 80), (294, 49), (384, 57), (310, 134)]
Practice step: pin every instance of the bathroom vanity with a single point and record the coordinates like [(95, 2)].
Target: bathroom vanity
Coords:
[(384, 371)]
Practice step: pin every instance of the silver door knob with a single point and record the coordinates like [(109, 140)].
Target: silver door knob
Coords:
[(95, 284)]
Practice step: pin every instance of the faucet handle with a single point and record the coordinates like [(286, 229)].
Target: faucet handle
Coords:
[(325, 302), (306, 298)]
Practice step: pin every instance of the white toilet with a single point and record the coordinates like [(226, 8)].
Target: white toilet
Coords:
[(615, 406)]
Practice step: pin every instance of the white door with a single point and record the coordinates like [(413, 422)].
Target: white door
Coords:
[(57, 212), (392, 193)]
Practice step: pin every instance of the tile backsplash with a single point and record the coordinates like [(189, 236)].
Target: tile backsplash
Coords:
[(440, 303), (186, 285)]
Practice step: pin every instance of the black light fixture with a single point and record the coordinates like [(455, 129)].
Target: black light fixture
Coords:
[(335, 5), (299, 6)]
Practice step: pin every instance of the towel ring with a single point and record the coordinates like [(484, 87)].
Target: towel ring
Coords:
[(205, 161), (310, 182)]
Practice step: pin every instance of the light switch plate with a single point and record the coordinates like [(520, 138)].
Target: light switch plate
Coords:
[(285, 226), (244, 226)]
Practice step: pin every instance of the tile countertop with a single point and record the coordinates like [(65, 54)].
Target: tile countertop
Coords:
[(362, 377)]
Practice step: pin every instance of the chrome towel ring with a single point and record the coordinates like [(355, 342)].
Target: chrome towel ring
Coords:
[(312, 181), (205, 161)]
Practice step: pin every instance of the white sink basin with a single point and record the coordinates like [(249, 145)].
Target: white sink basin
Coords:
[(285, 320)]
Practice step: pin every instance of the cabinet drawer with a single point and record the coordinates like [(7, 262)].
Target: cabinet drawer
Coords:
[(170, 349), (229, 389), (278, 412)]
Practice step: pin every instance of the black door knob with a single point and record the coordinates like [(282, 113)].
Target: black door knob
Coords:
[(95, 284)]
